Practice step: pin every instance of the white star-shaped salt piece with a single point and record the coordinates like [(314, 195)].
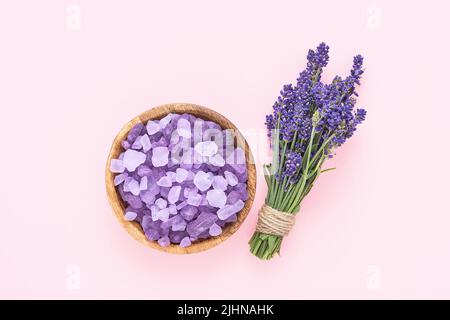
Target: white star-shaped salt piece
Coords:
[(160, 156), (145, 142), (202, 181), (152, 127), (216, 198), (133, 159), (165, 121), (206, 148), (116, 166), (184, 128)]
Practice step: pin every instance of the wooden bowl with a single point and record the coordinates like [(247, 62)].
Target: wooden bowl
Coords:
[(134, 228)]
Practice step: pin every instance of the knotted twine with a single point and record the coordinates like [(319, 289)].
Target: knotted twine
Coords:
[(272, 221)]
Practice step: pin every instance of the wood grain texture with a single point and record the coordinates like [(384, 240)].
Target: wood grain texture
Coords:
[(134, 228)]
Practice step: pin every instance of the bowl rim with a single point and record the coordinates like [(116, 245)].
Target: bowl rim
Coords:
[(118, 206)]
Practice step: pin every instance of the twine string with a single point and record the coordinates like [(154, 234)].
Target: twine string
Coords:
[(271, 221)]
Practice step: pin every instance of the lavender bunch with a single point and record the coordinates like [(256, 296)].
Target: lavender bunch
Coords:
[(309, 121)]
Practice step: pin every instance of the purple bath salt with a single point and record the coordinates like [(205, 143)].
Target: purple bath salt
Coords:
[(181, 178)]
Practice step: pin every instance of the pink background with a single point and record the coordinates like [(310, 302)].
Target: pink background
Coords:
[(377, 227)]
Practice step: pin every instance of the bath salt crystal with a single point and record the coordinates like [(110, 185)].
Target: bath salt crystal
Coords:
[(179, 225), (165, 121), (154, 212), (152, 127), (215, 230), (202, 180), (181, 175), (132, 159), (164, 241), (148, 197), (174, 194), (185, 242), (206, 148), (194, 199), (181, 205), (137, 144), (161, 203), (134, 201), (231, 178), (164, 182), (217, 160), (230, 209), (145, 143), (163, 214), (172, 175), (219, 183), (144, 183), (173, 210), (203, 222), (216, 198), (188, 212), (135, 132), (143, 170), (125, 144), (184, 128), (117, 166), (152, 234), (130, 215), (120, 178), (133, 187), (160, 156)]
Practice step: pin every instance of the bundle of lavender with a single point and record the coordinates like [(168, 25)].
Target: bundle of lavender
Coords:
[(309, 121)]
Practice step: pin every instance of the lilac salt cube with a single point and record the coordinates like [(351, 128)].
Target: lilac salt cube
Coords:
[(125, 144), (206, 148), (232, 218), (179, 224), (177, 236), (137, 144), (189, 212), (181, 205), (164, 192), (130, 215), (116, 166), (134, 201), (216, 198), (184, 128), (144, 183), (135, 132), (174, 194), (230, 209), (202, 180), (219, 183), (132, 159), (144, 170), (215, 230), (171, 175), (132, 186), (120, 178), (194, 199), (185, 242), (181, 175), (203, 222), (164, 241), (165, 121), (161, 203), (160, 156), (233, 196), (173, 209), (153, 235), (146, 222), (231, 178), (217, 160), (164, 182), (145, 143), (152, 127), (148, 197)]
